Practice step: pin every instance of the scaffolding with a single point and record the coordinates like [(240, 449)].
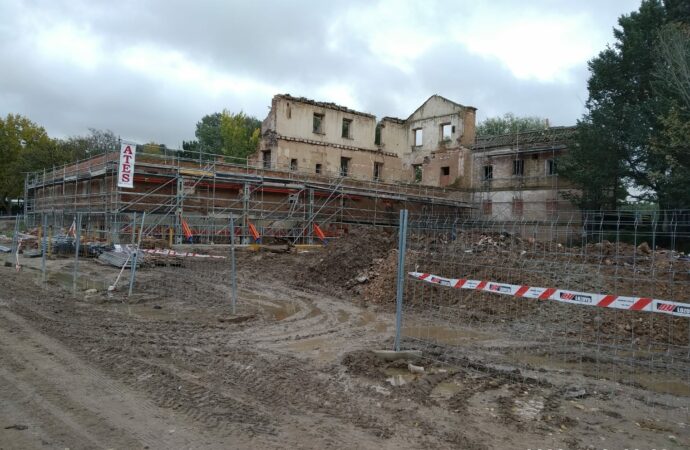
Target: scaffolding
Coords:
[(203, 192), (522, 181)]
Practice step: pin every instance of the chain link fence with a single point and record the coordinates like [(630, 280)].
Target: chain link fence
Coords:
[(76, 253), (579, 300)]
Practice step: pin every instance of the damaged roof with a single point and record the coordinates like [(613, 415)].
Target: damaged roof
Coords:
[(393, 119), (456, 104), (531, 138), (328, 105)]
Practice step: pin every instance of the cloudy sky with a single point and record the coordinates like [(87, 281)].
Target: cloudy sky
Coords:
[(149, 70)]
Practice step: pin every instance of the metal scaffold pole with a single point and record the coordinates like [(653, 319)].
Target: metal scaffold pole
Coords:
[(402, 242), (133, 272), (233, 271), (311, 220), (245, 213), (44, 247), (77, 234)]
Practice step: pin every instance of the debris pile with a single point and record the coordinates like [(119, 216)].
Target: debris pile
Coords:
[(347, 263)]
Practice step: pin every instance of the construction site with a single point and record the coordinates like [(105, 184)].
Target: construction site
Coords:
[(170, 189), (218, 305), (434, 295)]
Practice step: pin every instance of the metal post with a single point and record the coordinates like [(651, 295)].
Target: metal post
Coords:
[(310, 220), (179, 196), (77, 234), (44, 247), (134, 228), (15, 236), (245, 214), (402, 243), (233, 273), (133, 272)]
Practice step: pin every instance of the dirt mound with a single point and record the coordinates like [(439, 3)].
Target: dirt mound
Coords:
[(381, 287), (348, 263)]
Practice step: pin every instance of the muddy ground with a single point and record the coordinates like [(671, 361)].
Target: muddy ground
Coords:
[(171, 367)]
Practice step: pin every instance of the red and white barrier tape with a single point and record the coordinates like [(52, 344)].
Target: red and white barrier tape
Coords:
[(160, 252), (562, 295)]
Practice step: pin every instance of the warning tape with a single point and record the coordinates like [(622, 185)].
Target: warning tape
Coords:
[(561, 295)]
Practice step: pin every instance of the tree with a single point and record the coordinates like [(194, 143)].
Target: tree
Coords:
[(240, 133), (673, 143), (628, 115), (604, 180), (24, 147), (95, 143), (208, 133), (674, 61), (510, 123)]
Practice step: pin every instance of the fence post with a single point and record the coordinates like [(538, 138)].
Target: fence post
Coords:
[(77, 235), (133, 271), (44, 248), (15, 236), (402, 242), (233, 273)]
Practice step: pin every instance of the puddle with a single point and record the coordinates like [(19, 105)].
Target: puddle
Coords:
[(669, 384), (366, 318), (445, 390), (64, 280), (442, 334), (308, 345), (318, 348), (381, 327), (343, 316), (283, 311), (675, 387), (394, 373), (314, 312)]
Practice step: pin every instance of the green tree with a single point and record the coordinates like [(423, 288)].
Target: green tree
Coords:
[(24, 147), (240, 133), (192, 150), (673, 142), (509, 123), (604, 180), (208, 133), (95, 143), (628, 112)]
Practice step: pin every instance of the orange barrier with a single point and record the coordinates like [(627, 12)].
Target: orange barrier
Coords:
[(255, 234), (186, 230), (319, 233)]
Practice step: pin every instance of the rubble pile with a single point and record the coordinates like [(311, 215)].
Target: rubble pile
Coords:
[(347, 263)]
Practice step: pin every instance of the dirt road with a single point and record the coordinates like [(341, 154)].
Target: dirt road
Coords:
[(173, 369)]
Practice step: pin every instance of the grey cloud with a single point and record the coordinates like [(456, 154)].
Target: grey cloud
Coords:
[(280, 44)]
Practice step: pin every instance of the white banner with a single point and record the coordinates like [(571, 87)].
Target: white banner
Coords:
[(125, 172)]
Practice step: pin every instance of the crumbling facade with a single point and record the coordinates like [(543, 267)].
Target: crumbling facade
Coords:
[(515, 176), (303, 135), (506, 177)]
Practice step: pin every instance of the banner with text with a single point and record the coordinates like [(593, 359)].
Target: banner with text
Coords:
[(125, 172)]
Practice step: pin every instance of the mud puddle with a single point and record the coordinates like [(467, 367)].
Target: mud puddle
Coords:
[(445, 390), (444, 335), (668, 385)]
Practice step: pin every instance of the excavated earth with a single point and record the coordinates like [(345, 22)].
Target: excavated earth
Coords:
[(172, 367)]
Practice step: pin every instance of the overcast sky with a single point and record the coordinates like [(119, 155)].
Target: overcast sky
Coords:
[(149, 70)]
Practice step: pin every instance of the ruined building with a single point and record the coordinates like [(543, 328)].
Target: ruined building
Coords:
[(319, 168), (507, 177), (515, 175), (323, 138)]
